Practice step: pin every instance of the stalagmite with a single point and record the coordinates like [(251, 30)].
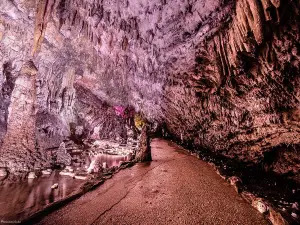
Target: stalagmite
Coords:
[(19, 146)]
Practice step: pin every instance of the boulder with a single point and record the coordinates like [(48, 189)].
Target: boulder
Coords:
[(3, 172), (295, 206), (104, 165), (69, 168), (260, 205), (67, 173), (47, 172), (32, 175), (91, 167), (236, 182), (294, 215), (276, 218), (54, 186), (249, 197)]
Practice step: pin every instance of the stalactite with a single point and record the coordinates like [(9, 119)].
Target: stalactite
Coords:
[(277, 3), (267, 5), (43, 13)]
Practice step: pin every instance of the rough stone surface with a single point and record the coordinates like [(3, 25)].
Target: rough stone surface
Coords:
[(276, 218), (62, 156), (144, 152), (217, 74), (3, 172), (19, 151)]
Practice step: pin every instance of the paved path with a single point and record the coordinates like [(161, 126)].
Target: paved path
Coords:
[(175, 188)]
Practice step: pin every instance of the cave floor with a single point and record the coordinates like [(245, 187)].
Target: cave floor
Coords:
[(175, 188)]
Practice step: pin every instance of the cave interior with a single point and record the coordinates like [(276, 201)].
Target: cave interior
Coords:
[(218, 77)]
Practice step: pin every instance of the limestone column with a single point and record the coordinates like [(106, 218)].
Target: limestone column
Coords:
[(18, 152), (144, 152)]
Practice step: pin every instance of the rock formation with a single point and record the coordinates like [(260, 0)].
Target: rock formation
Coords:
[(216, 74), (19, 151), (144, 151)]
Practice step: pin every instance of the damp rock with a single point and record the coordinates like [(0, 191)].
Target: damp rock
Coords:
[(67, 173), (81, 177), (260, 205), (236, 182), (295, 206), (91, 167), (54, 186), (47, 172), (79, 130), (120, 163), (62, 156), (32, 175), (95, 166), (276, 217), (3, 172), (144, 152), (69, 168)]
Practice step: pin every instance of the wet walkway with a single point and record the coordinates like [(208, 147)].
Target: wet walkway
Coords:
[(175, 188)]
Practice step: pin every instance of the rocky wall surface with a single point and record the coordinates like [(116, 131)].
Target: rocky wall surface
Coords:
[(242, 98), (19, 151), (219, 74)]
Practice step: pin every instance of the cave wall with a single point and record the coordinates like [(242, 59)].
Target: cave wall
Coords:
[(220, 74), (242, 98)]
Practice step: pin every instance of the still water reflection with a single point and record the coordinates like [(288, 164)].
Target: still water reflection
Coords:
[(19, 200)]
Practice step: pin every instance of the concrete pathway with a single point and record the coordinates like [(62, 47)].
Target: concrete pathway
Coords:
[(175, 188)]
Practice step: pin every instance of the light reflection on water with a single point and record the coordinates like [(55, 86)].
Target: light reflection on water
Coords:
[(110, 160), (18, 200)]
